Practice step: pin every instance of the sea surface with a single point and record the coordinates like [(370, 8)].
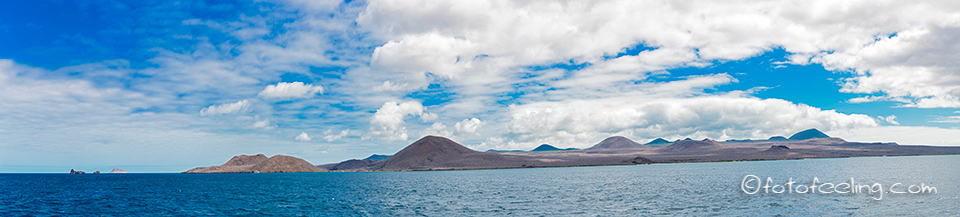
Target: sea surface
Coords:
[(699, 189)]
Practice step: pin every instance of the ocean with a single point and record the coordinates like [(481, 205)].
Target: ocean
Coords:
[(699, 189)]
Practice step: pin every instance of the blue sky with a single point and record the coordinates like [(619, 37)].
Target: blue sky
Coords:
[(163, 86)]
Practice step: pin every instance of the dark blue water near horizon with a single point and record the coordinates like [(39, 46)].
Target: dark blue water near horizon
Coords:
[(700, 189)]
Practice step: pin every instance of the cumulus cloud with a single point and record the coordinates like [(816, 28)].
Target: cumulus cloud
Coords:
[(581, 123), (672, 110), (437, 129), (330, 137), (915, 66), (427, 116), (468, 126), (389, 86), (892, 119), (388, 122), (904, 51), (229, 108), (486, 54), (284, 90), (904, 135), (303, 137), (262, 124)]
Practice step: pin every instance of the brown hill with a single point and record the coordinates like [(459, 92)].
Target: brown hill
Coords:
[(433, 152), (616, 142), (285, 164), (691, 145), (260, 163), (429, 150), (242, 159)]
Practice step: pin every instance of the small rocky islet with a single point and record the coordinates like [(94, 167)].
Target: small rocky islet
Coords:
[(114, 170)]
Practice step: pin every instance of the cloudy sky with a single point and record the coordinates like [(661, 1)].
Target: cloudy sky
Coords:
[(163, 86)]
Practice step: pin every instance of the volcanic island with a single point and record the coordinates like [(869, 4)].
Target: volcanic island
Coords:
[(439, 153)]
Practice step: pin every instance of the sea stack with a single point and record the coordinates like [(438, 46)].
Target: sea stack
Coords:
[(117, 170)]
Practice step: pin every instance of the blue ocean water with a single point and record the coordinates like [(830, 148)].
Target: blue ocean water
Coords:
[(659, 189)]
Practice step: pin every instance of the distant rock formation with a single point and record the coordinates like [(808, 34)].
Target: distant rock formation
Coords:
[(616, 142), (377, 157), (808, 134), (353, 164), (546, 147), (776, 150), (438, 153), (778, 139), (639, 160), (117, 170), (658, 142), (77, 172), (96, 172), (687, 145), (260, 163)]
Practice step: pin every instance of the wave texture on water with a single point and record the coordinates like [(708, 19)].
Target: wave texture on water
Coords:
[(659, 189)]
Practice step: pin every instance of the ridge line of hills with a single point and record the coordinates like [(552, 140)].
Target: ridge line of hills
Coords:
[(439, 153)]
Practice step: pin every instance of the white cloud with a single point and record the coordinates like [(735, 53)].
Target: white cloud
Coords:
[(493, 141), (388, 122), (101, 126), (390, 86), (303, 137), (330, 137), (480, 50), (892, 119), (916, 66), (284, 90), (947, 119), (426, 117), (583, 122), (903, 135), (229, 108), (437, 129), (671, 110), (476, 43), (468, 126), (262, 124)]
